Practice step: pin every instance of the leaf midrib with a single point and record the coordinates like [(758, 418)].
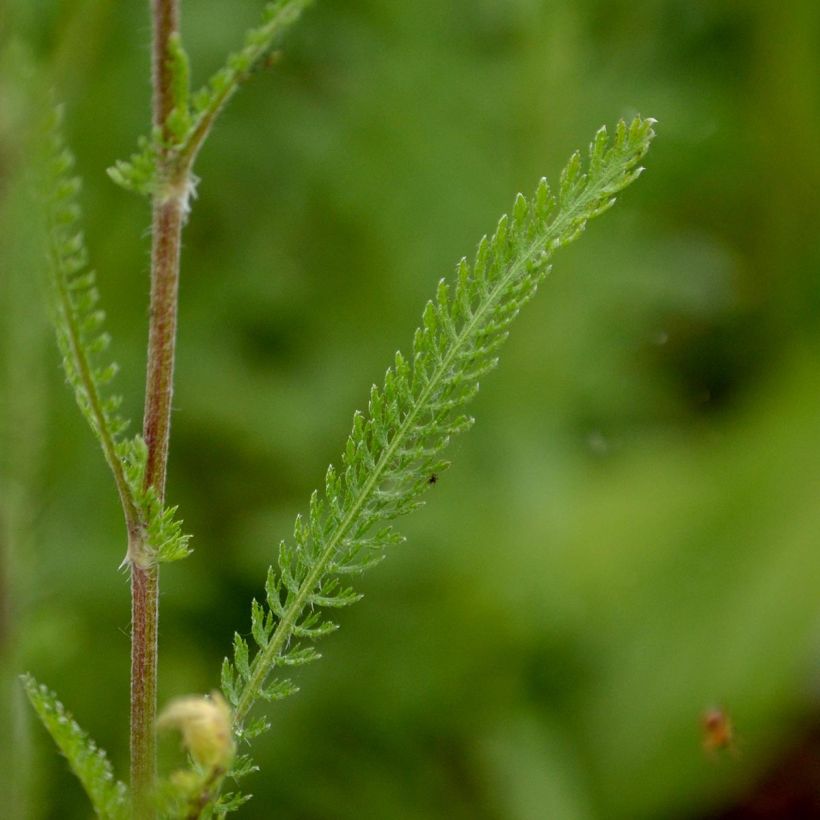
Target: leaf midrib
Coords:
[(263, 662)]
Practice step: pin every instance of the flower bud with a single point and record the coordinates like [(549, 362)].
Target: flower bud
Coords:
[(205, 725)]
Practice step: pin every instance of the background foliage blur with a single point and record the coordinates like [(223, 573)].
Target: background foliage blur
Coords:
[(630, 535)]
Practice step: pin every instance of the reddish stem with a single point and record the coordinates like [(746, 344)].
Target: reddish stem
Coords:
[(167, 229)]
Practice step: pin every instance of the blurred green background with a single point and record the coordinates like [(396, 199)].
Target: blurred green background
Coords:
[(631, 533)]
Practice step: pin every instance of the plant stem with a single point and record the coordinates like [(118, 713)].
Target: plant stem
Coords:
[(144, 612), (167, 227)]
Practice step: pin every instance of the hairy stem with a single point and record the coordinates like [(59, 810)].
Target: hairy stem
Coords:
[(144, 612), (165, 19), (167, 227), (168, 219)]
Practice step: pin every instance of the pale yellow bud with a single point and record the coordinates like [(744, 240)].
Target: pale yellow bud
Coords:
[(205, 724)]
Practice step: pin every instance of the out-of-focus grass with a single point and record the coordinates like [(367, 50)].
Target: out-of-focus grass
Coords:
[(629, 535)]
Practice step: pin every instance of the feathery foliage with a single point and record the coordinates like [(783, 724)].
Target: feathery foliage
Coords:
[(394, 454), (89, 763), (193, 115), (75, 312), (154, 532)]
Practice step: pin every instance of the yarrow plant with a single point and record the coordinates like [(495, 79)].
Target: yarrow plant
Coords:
[(394, 453)]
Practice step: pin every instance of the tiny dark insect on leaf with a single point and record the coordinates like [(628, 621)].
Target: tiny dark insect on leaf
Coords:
[(433, 479)]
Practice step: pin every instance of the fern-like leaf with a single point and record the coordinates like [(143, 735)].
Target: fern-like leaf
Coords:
[(393, 454), (76, 315), (193, 116), (138, 173), (90, 764), (154, 533), (160, 529), (208, 102)]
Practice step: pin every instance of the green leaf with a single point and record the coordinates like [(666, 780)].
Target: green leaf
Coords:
[(74, 296), (393, 453), (165, 539), (139, 172), (193, 116), (76, 317), (155, 533), (90, 764), (162, 535), (277, 17), (179, 122)]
